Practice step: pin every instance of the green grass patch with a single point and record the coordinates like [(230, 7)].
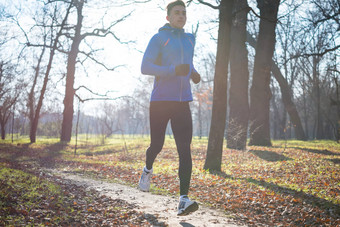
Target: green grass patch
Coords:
[(22, 194)]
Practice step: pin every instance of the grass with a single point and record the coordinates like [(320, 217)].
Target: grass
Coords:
[(292, 182), (37, 199), (23, 193)]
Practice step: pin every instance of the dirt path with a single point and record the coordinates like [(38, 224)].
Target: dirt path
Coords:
[(162, 207)]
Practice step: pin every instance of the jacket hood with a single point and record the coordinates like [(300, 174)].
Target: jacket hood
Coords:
[(169, 28)]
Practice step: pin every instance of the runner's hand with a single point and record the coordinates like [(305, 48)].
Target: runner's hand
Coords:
[(196, 77), (182, 70)]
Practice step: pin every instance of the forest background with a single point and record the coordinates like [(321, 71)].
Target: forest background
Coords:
[(74, 66), (270, 74)]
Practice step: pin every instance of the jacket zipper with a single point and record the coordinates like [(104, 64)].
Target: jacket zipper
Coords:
[(182, 62)]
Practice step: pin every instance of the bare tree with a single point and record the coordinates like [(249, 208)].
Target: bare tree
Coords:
[(202, 93), (317, 48), (109, 119), (336, 102), (66, 129), (218, 120), (326, 22), (239, 77), (76, 38), (286, 95), (10, 90), (31, 96), (54, 45), (203, 98), (260, 90)]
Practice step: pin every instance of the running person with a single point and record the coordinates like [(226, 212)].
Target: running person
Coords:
[(169, 57)]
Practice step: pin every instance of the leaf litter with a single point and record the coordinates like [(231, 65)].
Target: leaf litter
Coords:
[(264, 186)]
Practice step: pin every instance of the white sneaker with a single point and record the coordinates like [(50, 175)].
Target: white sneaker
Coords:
[(186, 206), (144, 181)]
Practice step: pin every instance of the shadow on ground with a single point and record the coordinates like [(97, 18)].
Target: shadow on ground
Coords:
[(103, 152), (307, 198), (334, 160), (18, 154), (270, 156), (185, 224), (317, 151)]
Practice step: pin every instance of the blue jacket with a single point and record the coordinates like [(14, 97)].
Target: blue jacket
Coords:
[(167, 49)]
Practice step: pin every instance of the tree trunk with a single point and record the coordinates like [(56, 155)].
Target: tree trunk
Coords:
[(30, 104), (3, 131), (337, 105), (317, 99), (34, 124), (305, 112), (219, 108), (276, 119), (260, 93), (66, 129), (286, 96), (289, 105), (283, 123), (200, 119), (4, 116), (3, 122), (239, 77)]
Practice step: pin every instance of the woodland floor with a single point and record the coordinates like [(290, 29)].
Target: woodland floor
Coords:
[(289, 184)]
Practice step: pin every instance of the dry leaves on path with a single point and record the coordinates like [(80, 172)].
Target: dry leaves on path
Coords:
[(38, 198)]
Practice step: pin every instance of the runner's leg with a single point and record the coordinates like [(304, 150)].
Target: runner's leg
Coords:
[(159, 118), (181, 124)]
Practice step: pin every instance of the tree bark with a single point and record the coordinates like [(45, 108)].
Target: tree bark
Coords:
[(4, 116), (288, 103), (317, 99), (66, 129), (34, 124), (239, 77), (31, 99), (260, 93), (200, 119), (3, 132), (219, 108), (337, 105)]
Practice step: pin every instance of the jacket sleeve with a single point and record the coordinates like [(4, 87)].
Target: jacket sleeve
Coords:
[(192, 39), (149, 66)]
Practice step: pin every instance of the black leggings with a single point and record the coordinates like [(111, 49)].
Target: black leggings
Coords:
[(181, 124)]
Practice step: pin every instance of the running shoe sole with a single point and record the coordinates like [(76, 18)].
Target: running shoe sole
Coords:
[(190, 209)]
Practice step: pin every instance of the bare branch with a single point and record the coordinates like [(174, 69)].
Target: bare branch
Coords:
[(204, 3), (127, 3), (47, 46), (52, 1), (100, 63), (334, 70), (263, 18), (246, 8), (290, 9), (327, 16), (315, 54), (103, 98), (103, 32), (23, 31), (92, 92)]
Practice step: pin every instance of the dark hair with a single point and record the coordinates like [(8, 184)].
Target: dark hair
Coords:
[(172, 4)]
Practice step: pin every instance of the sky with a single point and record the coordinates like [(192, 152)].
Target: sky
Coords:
[(144, 22), (140, 27)]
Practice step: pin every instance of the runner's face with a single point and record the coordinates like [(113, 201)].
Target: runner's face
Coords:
[(177, 17)]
